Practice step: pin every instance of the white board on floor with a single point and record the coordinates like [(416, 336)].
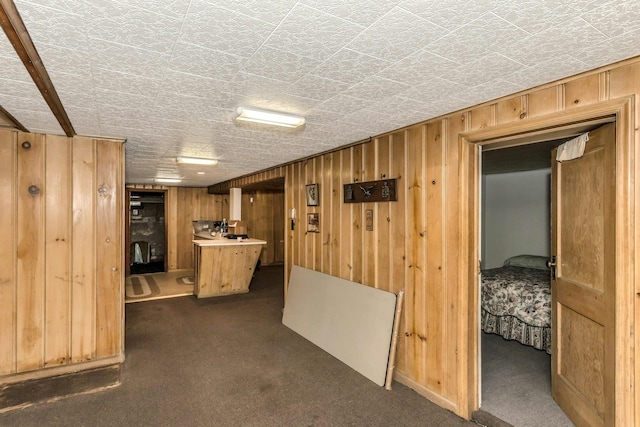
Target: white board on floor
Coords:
[(350, 321)]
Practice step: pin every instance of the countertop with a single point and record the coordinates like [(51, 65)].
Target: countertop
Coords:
[(201, 240)]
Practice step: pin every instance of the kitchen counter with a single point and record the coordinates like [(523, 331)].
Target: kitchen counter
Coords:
[(224, 266)]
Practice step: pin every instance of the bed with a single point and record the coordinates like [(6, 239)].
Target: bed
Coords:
[(516, 301)]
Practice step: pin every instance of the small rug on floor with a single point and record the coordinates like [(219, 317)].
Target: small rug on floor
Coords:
[(146, 287)]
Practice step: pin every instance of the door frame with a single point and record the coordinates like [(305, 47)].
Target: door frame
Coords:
[(534, 130), (127, 222)]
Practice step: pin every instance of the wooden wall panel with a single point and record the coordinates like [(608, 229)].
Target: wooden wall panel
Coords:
[(31, 216), (8, 250), (370, 249), (544, 101), (171, 221), (453, 361), (582, 91), (356, 218), (326, 204), (415, 296), (264, 219), (346, 215), (83, 260), (51, 314), (58, 200), (398, 232), (109, 249), (435, 302), (381, 226), (335, 213)]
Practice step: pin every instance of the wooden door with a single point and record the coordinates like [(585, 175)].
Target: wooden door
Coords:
[(583, 290)]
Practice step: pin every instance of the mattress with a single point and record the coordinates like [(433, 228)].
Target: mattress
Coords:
[(516, 304)]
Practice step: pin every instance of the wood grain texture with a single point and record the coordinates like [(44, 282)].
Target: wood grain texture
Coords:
[(58, 242), (84, 252), (415, 293), (8, 250), (109, 249), (30, 262), (435, 303), (225, 270)]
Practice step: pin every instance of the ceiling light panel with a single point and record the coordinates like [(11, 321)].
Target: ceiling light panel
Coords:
[(196, 161), (269, 117)]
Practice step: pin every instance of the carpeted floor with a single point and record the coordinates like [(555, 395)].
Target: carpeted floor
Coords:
[(151, 286), (229, 361), (516, 384)]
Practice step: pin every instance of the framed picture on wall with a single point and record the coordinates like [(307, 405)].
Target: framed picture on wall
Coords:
[(313, 223), (313, 197)]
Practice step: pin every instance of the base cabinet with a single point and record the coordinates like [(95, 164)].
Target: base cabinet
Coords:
[(225, 268)]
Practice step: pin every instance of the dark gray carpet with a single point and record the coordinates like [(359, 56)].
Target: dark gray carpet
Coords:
[(229, 361), (516, 384)]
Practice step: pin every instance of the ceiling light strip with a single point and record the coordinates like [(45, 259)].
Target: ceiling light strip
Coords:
[(196, 161), (269, 117)]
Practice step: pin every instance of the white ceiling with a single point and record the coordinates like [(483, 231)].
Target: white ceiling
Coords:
[(167, 75)]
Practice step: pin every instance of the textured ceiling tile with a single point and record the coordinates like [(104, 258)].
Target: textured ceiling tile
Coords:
[(126, 59), (609, 51), (533, 16), (221, 29), (279, 65), (414, 111), (143, 29), (488, 91), (350, 66), (363, 13), (483, 70), (312, 33), (174, 8), (375, 88), (546, 71), (400, 34), (343, 104), (615, 18), (474, 40), (57, 60), (435, 90), (418, 68), (316, 88), (193, 85), (556, 41), (126, 83), (44, 23), (451, 14), (272, 11), (192, 59)]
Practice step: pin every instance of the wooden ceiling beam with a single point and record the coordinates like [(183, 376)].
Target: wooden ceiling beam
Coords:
[(19, 37), (6, 117)]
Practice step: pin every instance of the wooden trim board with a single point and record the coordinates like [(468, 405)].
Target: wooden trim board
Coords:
[(350, 321)]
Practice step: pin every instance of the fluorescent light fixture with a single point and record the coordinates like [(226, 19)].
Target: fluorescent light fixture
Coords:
[(269, 117), (197, 161), (168, 180)]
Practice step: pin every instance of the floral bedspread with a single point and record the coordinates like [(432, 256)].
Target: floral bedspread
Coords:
[(516, 303)]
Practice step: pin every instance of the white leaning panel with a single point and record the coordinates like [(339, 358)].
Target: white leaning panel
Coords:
[(350, 321)]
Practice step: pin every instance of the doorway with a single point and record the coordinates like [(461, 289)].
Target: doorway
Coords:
[(515, 227), (146, 234), (559, 125)]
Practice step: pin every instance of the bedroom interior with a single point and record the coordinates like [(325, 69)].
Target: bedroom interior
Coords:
[(516, 377)]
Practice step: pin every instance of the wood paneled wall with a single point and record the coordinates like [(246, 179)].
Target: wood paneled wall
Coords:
[(61, 255), (417, 242), (265, 217)]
